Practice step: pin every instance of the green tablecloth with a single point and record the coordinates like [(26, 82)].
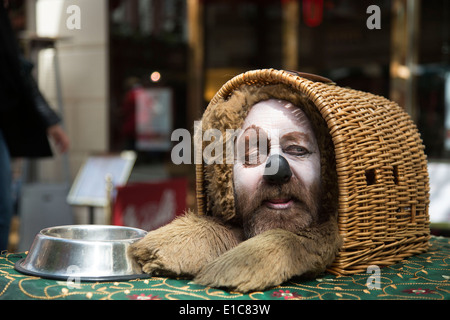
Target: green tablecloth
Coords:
[(421, 277)]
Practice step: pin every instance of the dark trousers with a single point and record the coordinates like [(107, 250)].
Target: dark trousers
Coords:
[(6, 200)]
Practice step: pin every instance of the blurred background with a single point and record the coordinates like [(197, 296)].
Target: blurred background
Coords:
[(179, 52)]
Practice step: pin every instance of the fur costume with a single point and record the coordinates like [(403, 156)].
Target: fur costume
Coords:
[(213, 248)]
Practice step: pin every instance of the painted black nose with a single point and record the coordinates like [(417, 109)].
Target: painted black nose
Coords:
[(277, 170)]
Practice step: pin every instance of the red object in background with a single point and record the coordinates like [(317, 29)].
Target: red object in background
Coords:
[(149, 205), (128, 110), (313, 12)]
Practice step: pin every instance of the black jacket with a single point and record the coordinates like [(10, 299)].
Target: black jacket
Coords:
[(24, 113)]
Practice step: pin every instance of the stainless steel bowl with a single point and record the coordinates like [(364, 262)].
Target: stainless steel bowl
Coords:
[(83, 252)]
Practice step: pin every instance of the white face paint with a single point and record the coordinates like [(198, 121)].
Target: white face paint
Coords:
[(290, 134)]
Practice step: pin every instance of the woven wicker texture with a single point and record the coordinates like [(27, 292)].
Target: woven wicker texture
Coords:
[(381, 166)]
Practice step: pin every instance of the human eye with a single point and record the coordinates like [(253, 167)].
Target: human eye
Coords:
[(255, 151), (253, 147), (296, 150)]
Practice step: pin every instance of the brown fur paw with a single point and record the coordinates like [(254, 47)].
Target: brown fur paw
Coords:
[(265, 261), (182, 247), (253, 265)]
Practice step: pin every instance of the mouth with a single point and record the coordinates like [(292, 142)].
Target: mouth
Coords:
[(279, 204)]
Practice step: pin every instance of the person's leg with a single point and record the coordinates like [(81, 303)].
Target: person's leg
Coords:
[(6, 203)]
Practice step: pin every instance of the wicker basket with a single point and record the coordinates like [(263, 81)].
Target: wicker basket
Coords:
[(381, 167)]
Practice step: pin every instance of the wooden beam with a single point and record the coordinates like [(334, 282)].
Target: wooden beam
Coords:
[(290, 29), (195, 103), (404, 54)]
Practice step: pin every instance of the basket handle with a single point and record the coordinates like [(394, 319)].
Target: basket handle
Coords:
[(310, 76)]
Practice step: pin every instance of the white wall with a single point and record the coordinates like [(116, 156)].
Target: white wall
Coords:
[(439, 173), (83, 60)]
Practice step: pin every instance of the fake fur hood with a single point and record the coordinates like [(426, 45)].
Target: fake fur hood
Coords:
[(215, 191)]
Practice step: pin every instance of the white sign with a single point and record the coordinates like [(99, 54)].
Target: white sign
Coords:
[(439, 192), (90, 186)]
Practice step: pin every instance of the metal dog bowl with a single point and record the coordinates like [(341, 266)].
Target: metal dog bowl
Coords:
[(83, 252)]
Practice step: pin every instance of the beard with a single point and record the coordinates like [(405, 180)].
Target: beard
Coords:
[(259, 214)]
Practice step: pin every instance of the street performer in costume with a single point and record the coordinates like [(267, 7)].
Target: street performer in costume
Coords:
[(271, 213)]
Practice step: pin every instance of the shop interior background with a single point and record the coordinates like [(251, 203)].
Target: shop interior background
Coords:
[(190, 48)]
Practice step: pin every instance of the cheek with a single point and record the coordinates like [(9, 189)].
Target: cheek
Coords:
[(307, 170), (247, 179)]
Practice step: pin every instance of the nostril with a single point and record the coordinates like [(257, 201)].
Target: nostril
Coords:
[(275, 179), (277, 170), (287, 177)]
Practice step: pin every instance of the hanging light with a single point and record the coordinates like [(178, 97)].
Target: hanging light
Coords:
[(155, 76)]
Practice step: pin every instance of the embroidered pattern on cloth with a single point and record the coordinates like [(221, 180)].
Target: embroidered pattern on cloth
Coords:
[(422, 277)]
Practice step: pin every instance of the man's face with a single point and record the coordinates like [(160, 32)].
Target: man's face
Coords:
[(280, 130)]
